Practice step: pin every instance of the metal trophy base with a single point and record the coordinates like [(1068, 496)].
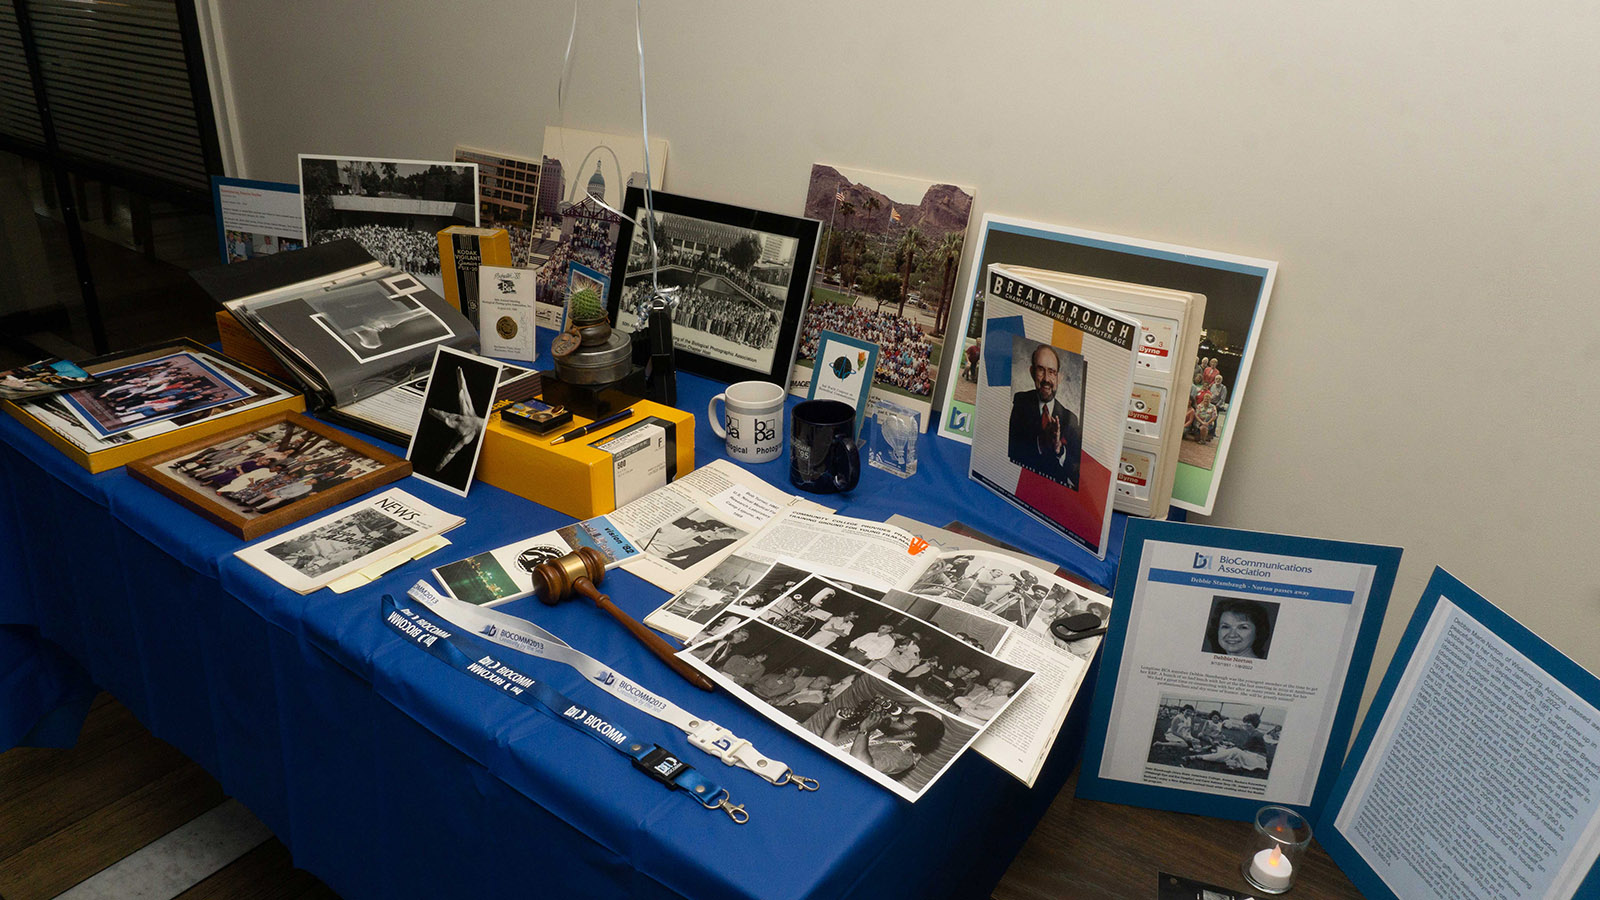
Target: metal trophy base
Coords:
[(594, 401)]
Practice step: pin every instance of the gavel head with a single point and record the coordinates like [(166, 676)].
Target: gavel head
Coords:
[(555, 581)]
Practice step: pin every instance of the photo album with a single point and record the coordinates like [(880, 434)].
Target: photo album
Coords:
[(345, 325)]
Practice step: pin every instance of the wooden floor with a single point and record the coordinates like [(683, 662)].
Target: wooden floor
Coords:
[(67, 814)]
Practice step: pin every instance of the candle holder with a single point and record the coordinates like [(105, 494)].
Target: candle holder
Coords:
[(1282, 836)]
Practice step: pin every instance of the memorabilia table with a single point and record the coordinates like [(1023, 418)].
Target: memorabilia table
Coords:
[(389, 775)]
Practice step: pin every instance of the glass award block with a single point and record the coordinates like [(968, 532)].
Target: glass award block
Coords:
[(893, 443)]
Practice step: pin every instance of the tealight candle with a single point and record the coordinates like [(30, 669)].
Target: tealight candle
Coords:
[(1272, 870), (1281, 836)]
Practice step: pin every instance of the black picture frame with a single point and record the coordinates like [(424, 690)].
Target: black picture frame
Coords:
[(786, 242)]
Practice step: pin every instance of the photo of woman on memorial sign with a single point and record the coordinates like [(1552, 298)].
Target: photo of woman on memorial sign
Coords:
[(1240, 628)]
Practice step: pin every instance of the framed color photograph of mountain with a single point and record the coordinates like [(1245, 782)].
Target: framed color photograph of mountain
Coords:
[(886, 273), (1236, 289)]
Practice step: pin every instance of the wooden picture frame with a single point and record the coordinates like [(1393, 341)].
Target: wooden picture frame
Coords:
[(699, 246), (288, 444)]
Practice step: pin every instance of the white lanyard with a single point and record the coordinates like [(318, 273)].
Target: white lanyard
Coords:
[(522, 635)]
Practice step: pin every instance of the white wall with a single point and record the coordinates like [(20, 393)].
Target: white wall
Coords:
[(1428, 176)]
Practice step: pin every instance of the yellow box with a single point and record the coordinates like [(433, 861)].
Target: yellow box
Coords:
[(121, 454), (462, 249), (573, 477)]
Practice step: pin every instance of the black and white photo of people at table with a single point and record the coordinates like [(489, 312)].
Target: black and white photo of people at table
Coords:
[(455, 414), (1216, 736), (152, 391), (1063, 601), (862, 719), (942, 669), (1240, 628)]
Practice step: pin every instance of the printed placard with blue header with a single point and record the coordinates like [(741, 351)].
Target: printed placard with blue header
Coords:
[(1232, 668)]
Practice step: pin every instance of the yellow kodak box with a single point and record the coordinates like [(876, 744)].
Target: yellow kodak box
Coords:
[(462, 249), (579, 477)]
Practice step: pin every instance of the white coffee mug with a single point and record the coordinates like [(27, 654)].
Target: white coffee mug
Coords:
[(754, 420)]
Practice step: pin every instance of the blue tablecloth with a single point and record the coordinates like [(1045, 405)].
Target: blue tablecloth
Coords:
[(388, 775)]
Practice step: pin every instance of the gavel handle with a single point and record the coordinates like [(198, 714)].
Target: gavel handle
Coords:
[(649, 638)]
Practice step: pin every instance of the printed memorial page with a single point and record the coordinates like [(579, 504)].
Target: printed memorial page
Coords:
[(1232, 671), (1481, 777)]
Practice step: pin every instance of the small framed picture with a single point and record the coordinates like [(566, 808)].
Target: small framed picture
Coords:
[(739, 278), (260, 477)]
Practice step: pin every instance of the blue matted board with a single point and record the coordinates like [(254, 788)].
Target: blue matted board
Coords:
[(1385, 719), (1303, 609)]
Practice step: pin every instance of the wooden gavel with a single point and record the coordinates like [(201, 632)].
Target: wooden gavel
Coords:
[(578, 573)]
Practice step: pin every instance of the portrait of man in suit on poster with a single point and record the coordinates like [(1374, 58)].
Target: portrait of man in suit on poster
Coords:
[(1046, 433)]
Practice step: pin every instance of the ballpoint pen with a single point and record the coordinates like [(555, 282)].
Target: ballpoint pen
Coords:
[(582, 430)]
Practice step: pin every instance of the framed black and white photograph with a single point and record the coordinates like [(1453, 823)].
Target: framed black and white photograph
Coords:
[(738, 278), (394, 208), (455, 413), (262, 476)]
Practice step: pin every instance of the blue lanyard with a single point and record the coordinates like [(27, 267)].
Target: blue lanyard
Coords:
[(651, 759)]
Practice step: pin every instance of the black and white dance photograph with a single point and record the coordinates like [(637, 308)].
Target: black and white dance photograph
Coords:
[(341, 541), (860, 718), (394, 208), (735, 278), (152, 391), (455, 413), (371, 323), (1216, 736)]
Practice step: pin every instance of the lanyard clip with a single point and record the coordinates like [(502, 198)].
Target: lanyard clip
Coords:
[(799, 781), (735, 811)]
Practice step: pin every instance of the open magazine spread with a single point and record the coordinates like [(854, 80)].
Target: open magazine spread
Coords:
[(366, 537), (990, 605), (680, 529)]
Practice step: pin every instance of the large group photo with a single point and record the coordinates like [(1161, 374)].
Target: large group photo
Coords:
[(393, 208), (152, 391), (728, 283), (886, 272)]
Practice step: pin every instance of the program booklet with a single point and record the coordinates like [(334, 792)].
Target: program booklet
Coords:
[(345, 325), (1169, 336), (1052, 402)]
